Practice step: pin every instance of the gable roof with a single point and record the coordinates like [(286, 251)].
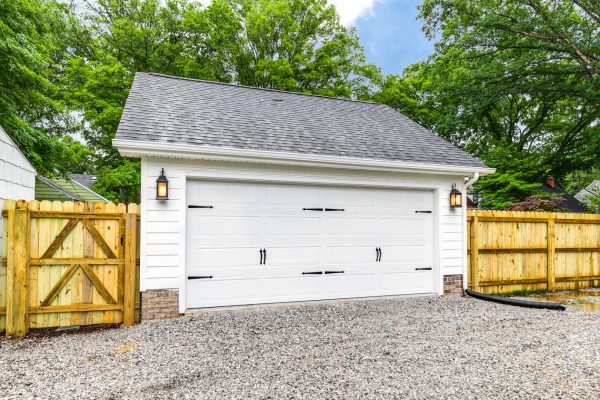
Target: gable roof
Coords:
[(593, 189), (85, 179), (65, 190), (169, 111)]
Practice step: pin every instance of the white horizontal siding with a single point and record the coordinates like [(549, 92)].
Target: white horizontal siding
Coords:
[(17, 176), (164, 222)]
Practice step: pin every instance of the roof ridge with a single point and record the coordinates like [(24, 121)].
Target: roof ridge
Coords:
[(261, 88)]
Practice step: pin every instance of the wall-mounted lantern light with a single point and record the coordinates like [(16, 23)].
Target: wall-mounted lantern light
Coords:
[(162, 187), (455, 197)]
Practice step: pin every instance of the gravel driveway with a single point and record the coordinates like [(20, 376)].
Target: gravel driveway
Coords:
[(422, 348)]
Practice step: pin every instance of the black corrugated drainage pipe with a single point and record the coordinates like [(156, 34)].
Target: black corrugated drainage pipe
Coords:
[(516, 302)]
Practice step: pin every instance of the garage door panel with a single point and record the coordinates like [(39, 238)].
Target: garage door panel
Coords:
[(349, 199), (230, 257), (404, 199), (237, 290), (350, 284), (297, 196), (406, 255), (406, 227), (286, 256), (293, 226), (350, 226), (406, 282), (224, 194), (349, 255), (293, 286), (225, 226)]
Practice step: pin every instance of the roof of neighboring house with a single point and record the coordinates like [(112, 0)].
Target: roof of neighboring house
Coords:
[(571, 203), (593, 189), (64, 190), (85, 179), (171, 110)]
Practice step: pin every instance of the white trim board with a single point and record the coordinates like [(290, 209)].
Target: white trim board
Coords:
[(134, 148)]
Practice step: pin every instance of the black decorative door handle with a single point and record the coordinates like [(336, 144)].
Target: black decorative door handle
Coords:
[(423, 269), (200, 277), (313, 273), (261, 256), (265, 256), (334, 209), (312, 209), (333, 272)]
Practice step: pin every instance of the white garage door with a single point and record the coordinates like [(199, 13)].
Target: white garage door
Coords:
[(259, 243)]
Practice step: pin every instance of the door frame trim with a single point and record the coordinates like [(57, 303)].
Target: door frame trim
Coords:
[(268, 177)]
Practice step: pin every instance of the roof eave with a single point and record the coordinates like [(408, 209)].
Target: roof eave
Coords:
[(135, 148)]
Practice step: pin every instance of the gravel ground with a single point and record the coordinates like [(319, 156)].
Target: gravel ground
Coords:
[(421, 348)]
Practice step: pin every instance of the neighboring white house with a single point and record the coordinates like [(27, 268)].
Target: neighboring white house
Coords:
[(277, 196), (17, 175), (593, 189)]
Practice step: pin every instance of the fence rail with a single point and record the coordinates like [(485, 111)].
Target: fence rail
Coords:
[(66, 264), (511, 251)]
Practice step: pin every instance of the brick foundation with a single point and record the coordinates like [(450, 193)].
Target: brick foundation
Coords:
[(160, 304), (453, 285)]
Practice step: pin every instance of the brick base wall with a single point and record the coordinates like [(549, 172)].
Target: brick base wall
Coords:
[(453, 285), (160, 304)]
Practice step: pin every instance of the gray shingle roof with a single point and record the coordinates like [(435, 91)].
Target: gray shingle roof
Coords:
[(164, 109)]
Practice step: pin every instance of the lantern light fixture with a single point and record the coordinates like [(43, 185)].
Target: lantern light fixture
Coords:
[(162, 186), (455, 197)]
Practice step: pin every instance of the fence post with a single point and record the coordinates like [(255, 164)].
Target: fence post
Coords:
[(475, 252), (551, 253), (17, 279), (129, 285)]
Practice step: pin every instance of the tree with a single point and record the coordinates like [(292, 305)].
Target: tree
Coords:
[(32, 54), (120, 184), (298, 45), (519, 77)]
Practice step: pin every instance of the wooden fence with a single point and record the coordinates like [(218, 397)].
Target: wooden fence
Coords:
[(513, 251), (67, 264)]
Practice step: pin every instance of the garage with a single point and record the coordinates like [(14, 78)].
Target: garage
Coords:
[(261, 243), (254, 196)]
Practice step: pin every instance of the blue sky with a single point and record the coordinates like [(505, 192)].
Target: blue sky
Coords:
[(388, 31)]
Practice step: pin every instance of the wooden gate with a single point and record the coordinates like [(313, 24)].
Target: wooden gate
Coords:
[(67, 264)]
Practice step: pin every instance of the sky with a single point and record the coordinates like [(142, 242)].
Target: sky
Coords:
[(388, 30)]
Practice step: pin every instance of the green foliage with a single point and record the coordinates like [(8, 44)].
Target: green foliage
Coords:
[(513, 180), (32, 52), (121, 184), (516, 78), (577, 180)]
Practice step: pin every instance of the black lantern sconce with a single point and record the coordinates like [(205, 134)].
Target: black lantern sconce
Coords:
[(455, 197), (162, 187)]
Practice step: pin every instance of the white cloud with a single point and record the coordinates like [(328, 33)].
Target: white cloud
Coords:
[(351, 10)]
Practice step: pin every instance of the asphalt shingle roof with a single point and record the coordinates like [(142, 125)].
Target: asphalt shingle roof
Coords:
[(165, 109)]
